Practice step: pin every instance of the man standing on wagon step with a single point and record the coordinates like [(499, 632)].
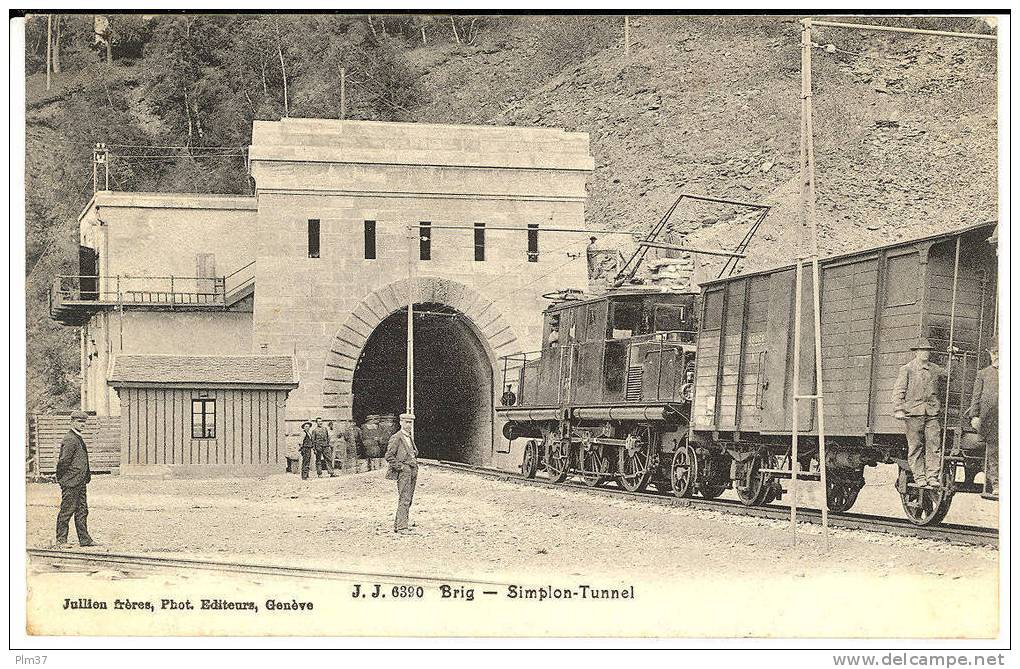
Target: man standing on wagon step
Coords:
[(402, 457), (73, 475), (916, 403), (984, 417)]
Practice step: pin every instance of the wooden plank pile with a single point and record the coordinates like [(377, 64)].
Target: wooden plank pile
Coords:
[(102, 436)]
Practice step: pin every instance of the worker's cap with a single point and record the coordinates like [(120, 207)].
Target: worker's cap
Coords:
[(922, 345), (407, 416), (593, 238), (318, 418), (994, 348), (306, 424), (79, 415)]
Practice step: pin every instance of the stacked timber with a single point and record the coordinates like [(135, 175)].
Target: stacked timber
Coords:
[(102, 438)]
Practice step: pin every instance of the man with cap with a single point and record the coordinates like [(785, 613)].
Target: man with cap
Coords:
[(323, 452), (984, 417), (402, 458), (916, 403), (307, 446), (73, 475)]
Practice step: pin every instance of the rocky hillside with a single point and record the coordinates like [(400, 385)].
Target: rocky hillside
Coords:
[(905, 125)]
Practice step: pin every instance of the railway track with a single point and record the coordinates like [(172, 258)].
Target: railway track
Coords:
[(957, 534), (151, 562)]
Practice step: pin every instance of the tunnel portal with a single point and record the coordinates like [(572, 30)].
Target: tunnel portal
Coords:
[(453, 388)]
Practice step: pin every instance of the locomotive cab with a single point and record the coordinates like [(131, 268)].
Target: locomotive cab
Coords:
[(623, 348)]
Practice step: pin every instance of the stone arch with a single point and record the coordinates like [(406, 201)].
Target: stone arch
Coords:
[(483, 317)]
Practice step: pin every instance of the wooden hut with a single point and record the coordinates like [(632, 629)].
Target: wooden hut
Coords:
[(203, 412)]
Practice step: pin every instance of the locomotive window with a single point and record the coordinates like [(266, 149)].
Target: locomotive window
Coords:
[(713, 310), (668, 317), (902, 280), (590, 329), (625, 320)]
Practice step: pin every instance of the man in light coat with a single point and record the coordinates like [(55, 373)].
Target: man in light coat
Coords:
[(916, 403), (984, 417), (73, 475), (402, 458)]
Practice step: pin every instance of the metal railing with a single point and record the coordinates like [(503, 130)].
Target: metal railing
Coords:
[(239, 278), (126, 289)]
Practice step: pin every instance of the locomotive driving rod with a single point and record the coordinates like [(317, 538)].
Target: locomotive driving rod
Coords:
[(709, 252)]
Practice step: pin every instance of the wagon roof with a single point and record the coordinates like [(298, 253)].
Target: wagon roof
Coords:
[(205, 370), (865, 251)]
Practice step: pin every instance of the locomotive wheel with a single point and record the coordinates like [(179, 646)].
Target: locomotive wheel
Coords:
[(927, 506), (712, 490), (757, 488), (594, 460), (557, 463), (635, 464), (684, 472), (529, 465)]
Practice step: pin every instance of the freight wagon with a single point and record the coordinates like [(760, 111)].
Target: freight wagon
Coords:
[(875, 305), (699, 404)]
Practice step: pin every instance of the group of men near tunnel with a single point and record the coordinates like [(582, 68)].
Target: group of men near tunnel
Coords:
[(324, 443)]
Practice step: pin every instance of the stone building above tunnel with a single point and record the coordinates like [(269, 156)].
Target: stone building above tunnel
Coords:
[(315, 265)]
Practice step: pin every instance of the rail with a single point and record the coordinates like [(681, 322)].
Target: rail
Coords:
[(951, 532)]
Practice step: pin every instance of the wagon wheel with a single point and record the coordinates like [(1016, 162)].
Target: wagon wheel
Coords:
[(684, 472), (841, 492), (557, 464), (756, 485), (529, 465), (635, 464), (927, 506), (594, 460)]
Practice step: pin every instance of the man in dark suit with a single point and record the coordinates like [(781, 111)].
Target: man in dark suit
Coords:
[(73, 475), (402, 457), (323, 451), (984, 417), (306, 448)]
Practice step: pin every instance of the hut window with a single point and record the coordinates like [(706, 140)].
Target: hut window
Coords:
[(203, 419)]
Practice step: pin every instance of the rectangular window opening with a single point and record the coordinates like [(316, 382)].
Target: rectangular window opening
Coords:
[(313, 238), (203, 419), (479, 242), (532, 242), (369, 240), (425, 240)]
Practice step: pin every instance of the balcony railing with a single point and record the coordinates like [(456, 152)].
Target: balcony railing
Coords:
[(123, 289)]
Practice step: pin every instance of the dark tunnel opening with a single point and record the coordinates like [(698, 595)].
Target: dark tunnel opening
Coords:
[(452, 386)]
